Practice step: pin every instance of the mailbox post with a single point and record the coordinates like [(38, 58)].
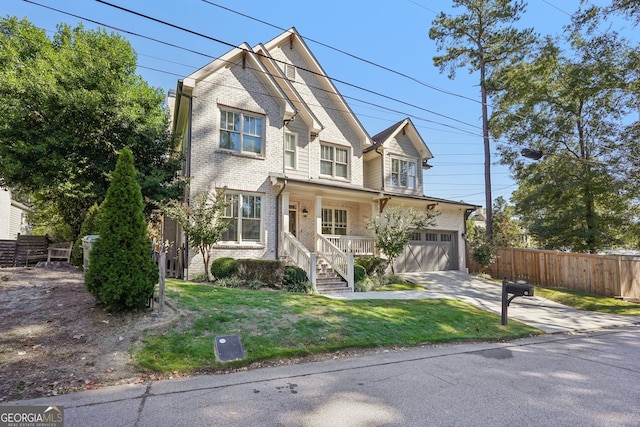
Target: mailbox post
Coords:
[(516, 290)]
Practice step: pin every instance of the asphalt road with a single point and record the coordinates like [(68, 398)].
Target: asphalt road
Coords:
[(580, 379)]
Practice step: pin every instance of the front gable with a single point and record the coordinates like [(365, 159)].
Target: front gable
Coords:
[(396, 160)]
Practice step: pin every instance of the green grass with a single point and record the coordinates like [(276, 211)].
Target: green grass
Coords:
[(584, 301), (401, 287), (276, 325)]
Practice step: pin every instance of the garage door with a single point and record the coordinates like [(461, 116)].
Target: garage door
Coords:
[(429, 251)]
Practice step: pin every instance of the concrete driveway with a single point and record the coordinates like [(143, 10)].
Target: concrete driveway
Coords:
[(540, 313)]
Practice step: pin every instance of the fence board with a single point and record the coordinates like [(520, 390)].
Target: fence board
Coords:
[(606, 275)]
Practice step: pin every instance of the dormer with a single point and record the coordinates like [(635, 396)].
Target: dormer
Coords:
[(395, 161)]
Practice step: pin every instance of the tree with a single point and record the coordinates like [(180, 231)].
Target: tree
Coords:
[(201, 220), (481, 40), (506, 227), (393, 228), (121, 272), (571, 106), (69, 104)]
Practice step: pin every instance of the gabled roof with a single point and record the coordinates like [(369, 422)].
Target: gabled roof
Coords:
[(292, 36), (285, 84), (408, 127), (245, 53)]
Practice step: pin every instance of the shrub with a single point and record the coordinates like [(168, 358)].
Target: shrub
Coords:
[(121, 272), (295, 280), (359, 273), (365, 285), (223, 268), (373, 265), (267, 271), (229, 282)]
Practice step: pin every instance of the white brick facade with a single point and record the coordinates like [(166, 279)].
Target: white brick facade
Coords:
[(239, 83)]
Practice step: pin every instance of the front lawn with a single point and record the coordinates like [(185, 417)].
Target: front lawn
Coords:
[(584, 301), (276, 325)]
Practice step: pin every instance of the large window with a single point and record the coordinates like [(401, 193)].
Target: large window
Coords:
[(403, 173), (241, 132), (243, 216), (334, 221), (334, 161), (290, 150)]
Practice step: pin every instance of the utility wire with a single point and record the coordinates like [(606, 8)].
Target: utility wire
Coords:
[(359, 58), (260, 71)]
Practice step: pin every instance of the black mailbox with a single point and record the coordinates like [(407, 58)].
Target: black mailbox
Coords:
[(517, 289), (520, 289)]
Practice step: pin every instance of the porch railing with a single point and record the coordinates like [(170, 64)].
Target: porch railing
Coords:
[(300, 256), (341, 262), (357, 245)]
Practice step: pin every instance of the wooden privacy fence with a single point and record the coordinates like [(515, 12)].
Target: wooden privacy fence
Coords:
[(606, 275)]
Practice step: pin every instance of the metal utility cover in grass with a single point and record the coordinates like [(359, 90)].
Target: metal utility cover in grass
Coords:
[(228, 348)]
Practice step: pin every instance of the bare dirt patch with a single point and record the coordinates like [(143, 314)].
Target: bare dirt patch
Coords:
[(54, 339)]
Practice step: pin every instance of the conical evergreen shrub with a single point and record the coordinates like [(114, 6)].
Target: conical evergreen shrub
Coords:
[(121, 272)]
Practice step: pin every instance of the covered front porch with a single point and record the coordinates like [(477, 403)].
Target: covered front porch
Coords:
[(323, 232)]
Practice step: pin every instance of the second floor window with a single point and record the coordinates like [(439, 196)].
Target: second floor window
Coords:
[(290, 150), (241, 132), (334, 161), (403, 173)]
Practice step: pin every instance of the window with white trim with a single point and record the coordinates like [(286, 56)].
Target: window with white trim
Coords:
[(403, 173), (334, 221), (334, 161), (243, 216), (241, 132), (290, 149)]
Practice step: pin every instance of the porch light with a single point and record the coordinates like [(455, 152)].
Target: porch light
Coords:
[(305, 212)]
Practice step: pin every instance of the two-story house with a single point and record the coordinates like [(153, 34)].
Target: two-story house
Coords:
[(302, 174)]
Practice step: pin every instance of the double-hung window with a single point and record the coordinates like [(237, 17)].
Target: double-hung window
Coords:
[(403, 173), (290, 150), (334, 161), (334, 221), (241, 132), (243, 216)]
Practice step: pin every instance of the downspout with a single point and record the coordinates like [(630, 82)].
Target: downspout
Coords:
[(188, 176), (284, 185)]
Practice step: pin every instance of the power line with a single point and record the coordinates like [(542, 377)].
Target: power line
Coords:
[(375, 64), (260, 71)]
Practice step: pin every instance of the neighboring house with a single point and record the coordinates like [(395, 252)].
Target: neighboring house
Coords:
[(266, 124), (13, 216)]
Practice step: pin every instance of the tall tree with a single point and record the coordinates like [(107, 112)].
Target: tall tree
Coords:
[(481, 38), (121, 272), (572, 107), (69, 104)]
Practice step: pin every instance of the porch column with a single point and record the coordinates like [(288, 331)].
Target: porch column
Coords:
[(284, 224), (318, 220)]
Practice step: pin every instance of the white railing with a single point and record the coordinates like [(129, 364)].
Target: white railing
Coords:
[(341, 262), (300, 256), (357, 245)]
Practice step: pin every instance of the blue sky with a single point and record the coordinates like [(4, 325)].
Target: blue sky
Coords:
[(393, 34)]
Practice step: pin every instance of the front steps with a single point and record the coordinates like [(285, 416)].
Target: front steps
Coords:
[(327, 281)]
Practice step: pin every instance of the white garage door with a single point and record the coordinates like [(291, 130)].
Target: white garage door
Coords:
[(429, 251)]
